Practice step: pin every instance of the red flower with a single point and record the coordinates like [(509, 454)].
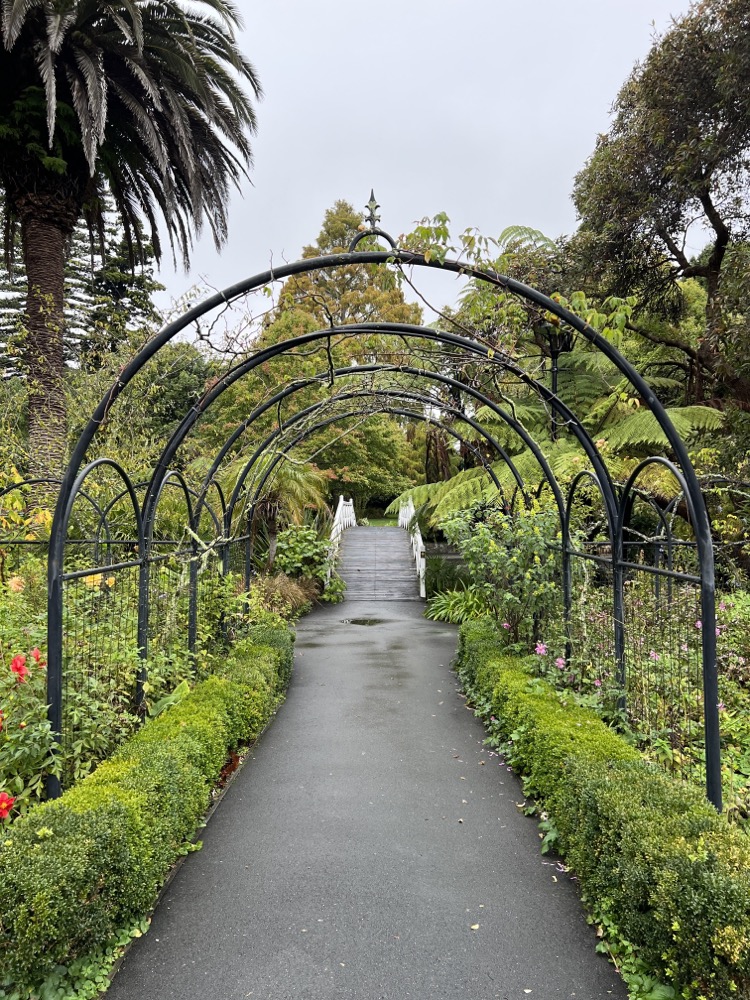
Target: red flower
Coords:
[(18, 666), (36, 654), (6, 804)]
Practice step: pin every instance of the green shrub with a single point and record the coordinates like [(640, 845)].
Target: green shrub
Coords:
[(656, 863), (76, 870), (281, 641), (301, 553), (456, 606)]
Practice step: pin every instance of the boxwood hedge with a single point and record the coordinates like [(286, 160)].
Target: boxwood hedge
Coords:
[(653, 858)]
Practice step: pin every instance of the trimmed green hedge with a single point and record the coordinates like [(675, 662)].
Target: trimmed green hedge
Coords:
[(654, 859), (76, 870)]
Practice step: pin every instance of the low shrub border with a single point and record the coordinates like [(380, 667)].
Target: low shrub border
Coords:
[(76, 871), (658, 867)]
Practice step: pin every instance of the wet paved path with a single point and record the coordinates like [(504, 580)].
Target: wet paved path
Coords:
[(365, 836)]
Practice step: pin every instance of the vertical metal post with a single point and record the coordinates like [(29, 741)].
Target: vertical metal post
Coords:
[(711, 694), (618, 611), (54, 656), (193, 606), (554, 361), (567, 587), (144, 584), (249, 550)]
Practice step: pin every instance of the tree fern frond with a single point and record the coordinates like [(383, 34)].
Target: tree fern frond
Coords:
[(463, 495), (526, 238), (641, 430)]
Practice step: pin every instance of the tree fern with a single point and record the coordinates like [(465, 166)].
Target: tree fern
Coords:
[(641, 431), (514, 238)]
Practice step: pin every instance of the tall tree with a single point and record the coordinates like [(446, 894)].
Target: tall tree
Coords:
[(671, 170), (145, 102), (353, 294)]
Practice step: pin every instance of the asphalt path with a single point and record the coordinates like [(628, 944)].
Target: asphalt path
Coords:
[(370, 848)]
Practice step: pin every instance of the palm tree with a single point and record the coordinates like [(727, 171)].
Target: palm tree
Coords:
[(143, 100)]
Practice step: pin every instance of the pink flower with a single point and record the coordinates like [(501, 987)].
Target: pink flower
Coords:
[(541, 649), (699, 624), (18, 666), (506, 625), (718, 630), (597, 683), (722, 606), (560, 662), (653, 656), (721, 706)]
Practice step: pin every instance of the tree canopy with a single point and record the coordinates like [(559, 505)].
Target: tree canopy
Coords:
[(671, 172)]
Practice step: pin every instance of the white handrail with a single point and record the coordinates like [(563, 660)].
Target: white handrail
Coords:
[(343, 519), (407, 518)]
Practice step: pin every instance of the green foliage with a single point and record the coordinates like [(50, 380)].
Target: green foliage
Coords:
[(641, 431), (350, 294), (511, 565), (335, 590), (456, 606), (76, 870), (301, 553), (443, 574), (667, 879)]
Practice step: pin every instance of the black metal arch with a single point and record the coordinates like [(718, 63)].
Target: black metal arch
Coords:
[(317, 426), (402, 330), (303, 435), (405, 258), (302, 414), (299, 385), (411, 414)]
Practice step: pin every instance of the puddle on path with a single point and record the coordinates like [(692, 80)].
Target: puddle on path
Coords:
[(363, 621)]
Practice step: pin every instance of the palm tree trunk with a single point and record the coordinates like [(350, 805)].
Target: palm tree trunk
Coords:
[(44, 243)]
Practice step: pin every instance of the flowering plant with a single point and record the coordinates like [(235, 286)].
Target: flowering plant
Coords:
[(26, 742)]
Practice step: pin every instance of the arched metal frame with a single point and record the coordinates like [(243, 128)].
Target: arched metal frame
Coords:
[(270, 440), (298, 386), (395, 394), (405, 258), (279, 456)]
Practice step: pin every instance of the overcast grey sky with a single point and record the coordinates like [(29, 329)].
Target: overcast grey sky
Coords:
[(484, 109)]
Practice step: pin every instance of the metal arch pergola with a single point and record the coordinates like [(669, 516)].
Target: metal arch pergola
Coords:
[(76, 475)]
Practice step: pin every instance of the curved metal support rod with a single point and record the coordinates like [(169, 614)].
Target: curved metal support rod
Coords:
[(295, 387), (298, 386), (514, 424), (248, 468), (358, 395), (401, 330)]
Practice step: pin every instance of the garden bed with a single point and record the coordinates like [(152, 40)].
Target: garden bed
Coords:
[(665, 876), (80, 871)]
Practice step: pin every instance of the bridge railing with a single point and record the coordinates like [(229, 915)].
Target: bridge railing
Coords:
[(407, 519), (343, 519)]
